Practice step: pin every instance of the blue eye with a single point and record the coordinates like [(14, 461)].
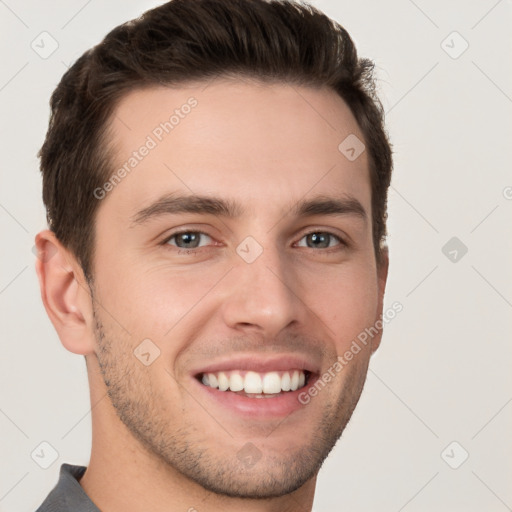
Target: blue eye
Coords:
[(187, 239), (191, 240), (320, 240)]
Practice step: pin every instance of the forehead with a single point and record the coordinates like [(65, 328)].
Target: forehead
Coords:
[(265, 145)]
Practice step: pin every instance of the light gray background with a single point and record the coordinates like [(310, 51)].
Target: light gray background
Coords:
[(442, 373)]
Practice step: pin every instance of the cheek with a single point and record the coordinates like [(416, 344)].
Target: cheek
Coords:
[(346, 302), (158, 302)]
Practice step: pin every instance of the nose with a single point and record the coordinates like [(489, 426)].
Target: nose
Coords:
[(261, 296)]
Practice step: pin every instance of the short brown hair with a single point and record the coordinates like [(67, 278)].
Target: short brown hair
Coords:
[(194, 40)]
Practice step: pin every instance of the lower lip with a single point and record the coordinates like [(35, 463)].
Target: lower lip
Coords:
[(279, 406)]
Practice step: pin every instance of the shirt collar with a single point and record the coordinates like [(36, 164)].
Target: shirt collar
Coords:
[(68, 493)]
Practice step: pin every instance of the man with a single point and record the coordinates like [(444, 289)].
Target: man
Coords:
[(215, 175)]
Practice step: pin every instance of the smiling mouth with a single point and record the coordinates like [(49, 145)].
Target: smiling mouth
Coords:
[(255, 384)]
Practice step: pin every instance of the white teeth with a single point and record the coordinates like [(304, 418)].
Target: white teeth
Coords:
[(286, 382), (236, 382), (270, 383), (295, 381), (252, 383), (223, 382), (212, 379)]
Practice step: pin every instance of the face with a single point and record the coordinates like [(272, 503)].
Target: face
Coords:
[(234, 264)]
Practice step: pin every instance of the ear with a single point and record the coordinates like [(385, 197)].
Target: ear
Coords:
[(382, 277), (65, 293)]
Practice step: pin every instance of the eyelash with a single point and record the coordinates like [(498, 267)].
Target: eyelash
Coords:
[(196, 250)]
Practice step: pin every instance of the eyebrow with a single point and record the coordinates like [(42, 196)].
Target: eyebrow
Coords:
[(178, 204)]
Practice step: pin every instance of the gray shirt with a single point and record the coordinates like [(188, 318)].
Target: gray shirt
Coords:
[(68, 495)]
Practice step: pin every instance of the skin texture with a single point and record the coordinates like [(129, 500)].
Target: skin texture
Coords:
[(159, 442)]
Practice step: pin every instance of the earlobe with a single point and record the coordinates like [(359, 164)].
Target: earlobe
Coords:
[(382, 272), (65, 294), (382, 276)]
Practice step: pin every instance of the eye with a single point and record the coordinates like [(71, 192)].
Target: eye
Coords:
[(186, 239), (321, 240)]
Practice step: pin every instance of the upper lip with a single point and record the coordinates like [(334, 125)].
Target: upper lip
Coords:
[(259, 363)]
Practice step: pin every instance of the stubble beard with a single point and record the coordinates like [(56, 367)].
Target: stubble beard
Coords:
[(188, 449)]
